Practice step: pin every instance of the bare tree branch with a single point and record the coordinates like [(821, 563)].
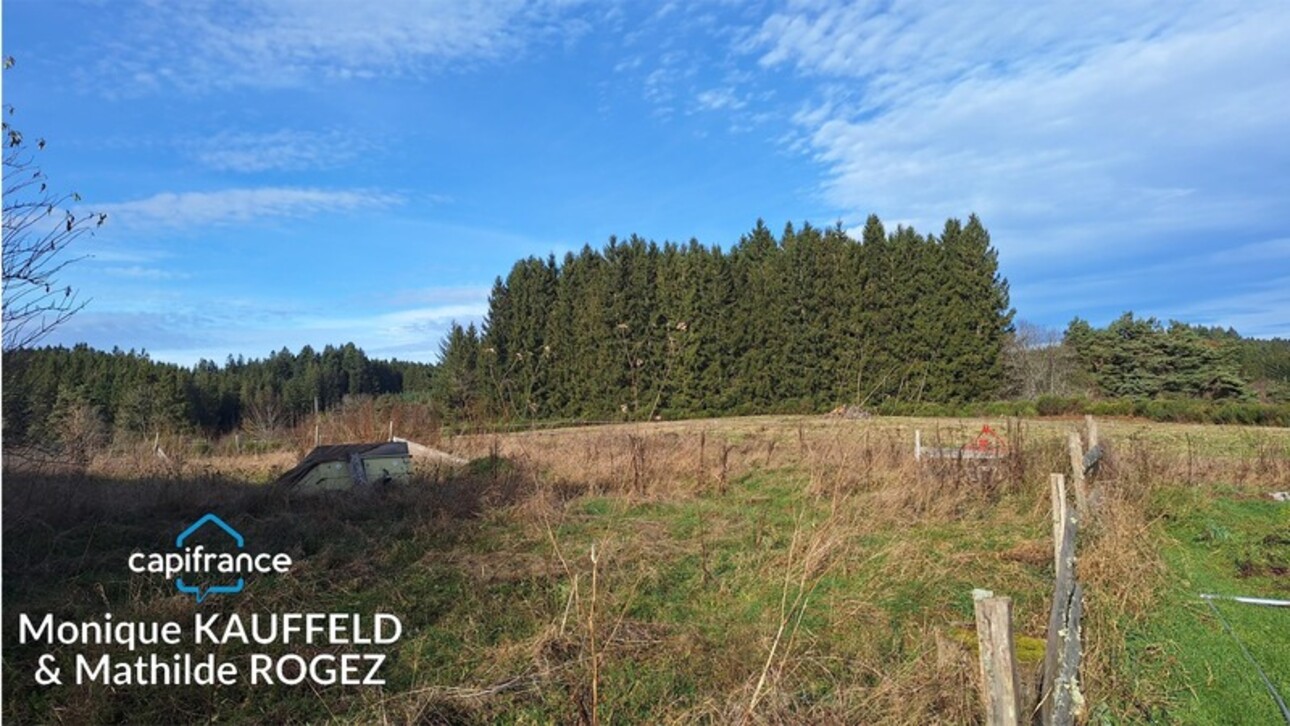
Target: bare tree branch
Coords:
[(39, 227)]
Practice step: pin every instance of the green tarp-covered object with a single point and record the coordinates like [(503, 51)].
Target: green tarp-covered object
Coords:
[(348, 466)]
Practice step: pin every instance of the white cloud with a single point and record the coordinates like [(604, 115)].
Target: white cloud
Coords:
[(201, 45), (283, 150), (220, 327), (240, 206), (412, 331), (716, 99), (1065, 127), (409, 325), (416, 324), (125, 255), (139, 272), (1125, 155), (899, 49), (630, 63), (441, 295), (659, 84)]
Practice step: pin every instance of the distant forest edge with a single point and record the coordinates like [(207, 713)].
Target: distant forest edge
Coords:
[(896, 322)]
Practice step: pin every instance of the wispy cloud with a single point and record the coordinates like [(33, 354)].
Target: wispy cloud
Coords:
[(899, 50), (681, 59), (1117, 151), (139, 272), (473, 295), (401, 326), (672, 69), (1062, 125), (238, 206), (207, 45), (282, 150), (135, 330), (716, 99), (224, 327), (124, 255)]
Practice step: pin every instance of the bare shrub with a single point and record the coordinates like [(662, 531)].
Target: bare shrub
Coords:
[(81, 432)]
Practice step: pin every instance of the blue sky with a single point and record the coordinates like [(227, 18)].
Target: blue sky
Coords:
[(283, 172)]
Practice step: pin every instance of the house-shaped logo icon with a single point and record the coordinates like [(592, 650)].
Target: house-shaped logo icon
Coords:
[(199, 591)]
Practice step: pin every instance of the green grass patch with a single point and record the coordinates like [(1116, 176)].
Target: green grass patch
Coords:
[(1219, 545)]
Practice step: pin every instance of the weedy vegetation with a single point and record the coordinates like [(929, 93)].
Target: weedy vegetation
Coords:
[(756, 570)]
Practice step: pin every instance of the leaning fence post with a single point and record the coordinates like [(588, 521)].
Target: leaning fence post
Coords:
[(1000, 684), (1060, 633), (918, 445)]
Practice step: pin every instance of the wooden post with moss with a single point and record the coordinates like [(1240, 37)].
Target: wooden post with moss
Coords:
[(1000, 682), (1068, 700), (1060, 698)]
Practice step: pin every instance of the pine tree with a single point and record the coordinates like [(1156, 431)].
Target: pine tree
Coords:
[(981, 314)]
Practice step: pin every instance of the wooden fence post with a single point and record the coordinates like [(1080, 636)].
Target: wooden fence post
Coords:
[(1000, 683), (1063, 633), (1077, 475), (1067, 699), (1090, 429), (1057, 484)]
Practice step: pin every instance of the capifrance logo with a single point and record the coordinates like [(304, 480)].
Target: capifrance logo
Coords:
[(201, 572), (211, 557)]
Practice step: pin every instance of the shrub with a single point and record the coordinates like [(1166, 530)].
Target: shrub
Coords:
[(1111, 407), (1059, 406)]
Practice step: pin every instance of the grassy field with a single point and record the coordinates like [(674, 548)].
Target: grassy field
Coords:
[(756, 570)]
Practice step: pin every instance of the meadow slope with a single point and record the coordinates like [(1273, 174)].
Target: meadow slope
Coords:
[(757, 570)]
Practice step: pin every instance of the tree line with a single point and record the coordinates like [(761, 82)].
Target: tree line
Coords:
[(1143, 359), (795, 323), (799, 322), (129, 392)]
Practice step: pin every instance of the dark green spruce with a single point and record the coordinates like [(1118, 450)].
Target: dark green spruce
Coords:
[(798, 322)]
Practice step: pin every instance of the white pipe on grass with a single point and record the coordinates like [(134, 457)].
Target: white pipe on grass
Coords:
[(1268, 602), (1267, 682)]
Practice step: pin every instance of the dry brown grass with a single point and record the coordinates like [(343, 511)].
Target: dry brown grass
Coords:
[(870, 484), (859, 561), (866, 474)]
